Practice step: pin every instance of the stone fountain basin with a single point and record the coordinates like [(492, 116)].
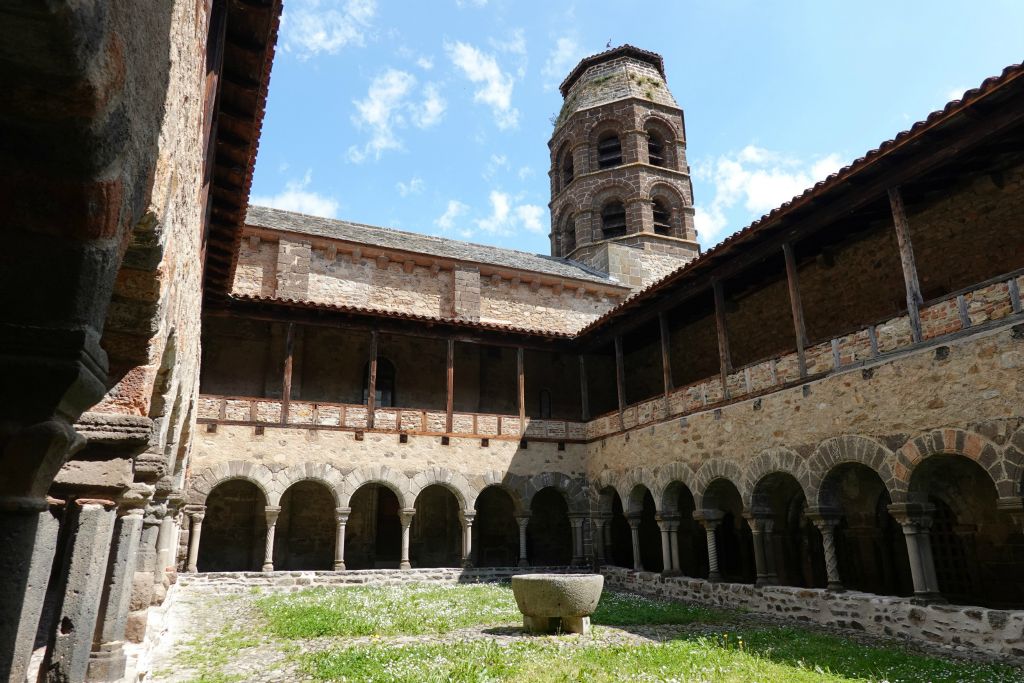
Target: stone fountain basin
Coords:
[(553, 602)]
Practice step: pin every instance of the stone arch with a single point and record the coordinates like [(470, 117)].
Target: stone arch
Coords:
[(575, 494), (309, 471), (652, 122), (717, 468), (442, 476), (512, 484), (563, 154), (629, 486), (606, 191), (564, 229), (850, 448), (664, 478), (949, 442), (768, 462), (206, 480), (599, 128), (1013, 456), (397, 482)]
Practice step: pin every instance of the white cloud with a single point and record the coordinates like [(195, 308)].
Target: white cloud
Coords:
[(516, 43), (507, 218), (756, 179), (563, 56), (524, 172), (454, 210), (468, 3), (496, 163), (495, 85), (425, 63), (297, 197), (312, 27), (414, 186), (388, 106)]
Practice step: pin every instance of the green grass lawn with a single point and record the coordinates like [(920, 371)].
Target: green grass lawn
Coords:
[(705, 644)]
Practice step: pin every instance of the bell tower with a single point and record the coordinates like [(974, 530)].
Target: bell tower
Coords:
[(621, 196)]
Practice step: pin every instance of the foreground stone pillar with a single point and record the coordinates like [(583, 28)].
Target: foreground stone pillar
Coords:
[(197, 514), (599, 523), (341, 516), (634, 532), (406, 516), (91, 525), (163, 547), (916, 520), (666, 547), (577, 539), (827, 523), (107, 660), (467, 538), (673, 538), (524, 521), (710, 519), (760, 530), (272, 511), (28, 536)]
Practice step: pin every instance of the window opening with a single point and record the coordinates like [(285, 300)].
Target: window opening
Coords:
[(613, 220), (609, 151)]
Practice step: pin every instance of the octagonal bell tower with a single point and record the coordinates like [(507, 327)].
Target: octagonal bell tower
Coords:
[(621, 197)]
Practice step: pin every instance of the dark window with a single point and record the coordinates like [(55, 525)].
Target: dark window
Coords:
[(384, 396), (566, 167), (568, 236), (655, 150), (662, 217), (609, 151), (613, 219), (545, 404)]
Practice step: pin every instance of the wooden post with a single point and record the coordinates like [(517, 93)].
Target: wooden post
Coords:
[(620, 374), (286, 380), (666, 357), (584, 395), (521, 389), (371, 385), (914, 298), (725, 364), (793, 280), (450, 404)]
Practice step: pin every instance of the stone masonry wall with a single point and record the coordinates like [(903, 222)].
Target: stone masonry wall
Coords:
[(546, 308), (995, 632)]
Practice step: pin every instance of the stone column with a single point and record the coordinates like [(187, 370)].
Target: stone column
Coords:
[(827, 523), (163, 546), (107, 659), (341, 517), (916, 520), (406, 516), (599, 523), (673, 538), (577, 538), (666, 546), (272, 511), (634, 531), (467, 537), (524, 521), (28, 535), (197, 514), (710, 519), (90, 527), (760, 530)]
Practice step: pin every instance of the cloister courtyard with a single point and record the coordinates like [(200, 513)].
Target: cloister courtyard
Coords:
[(231, 629)]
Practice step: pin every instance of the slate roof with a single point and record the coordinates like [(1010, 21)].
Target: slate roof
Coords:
[(389, 238)]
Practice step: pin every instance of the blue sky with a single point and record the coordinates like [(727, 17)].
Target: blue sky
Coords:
[(434, 116)]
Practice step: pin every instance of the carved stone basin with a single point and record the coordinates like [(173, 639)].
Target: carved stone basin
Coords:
[(557, 602)]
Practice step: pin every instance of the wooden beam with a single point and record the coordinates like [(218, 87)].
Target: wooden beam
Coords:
[(521, 388), (914, 298), (449, 408), (584, 394), (666, 354), (724, 361), (796, 306), (620, 375), (371, 393), (286, 381)]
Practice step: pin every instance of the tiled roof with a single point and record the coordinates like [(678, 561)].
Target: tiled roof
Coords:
[(388, 238), (814, 194)]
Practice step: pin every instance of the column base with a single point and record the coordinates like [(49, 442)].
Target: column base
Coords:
[(714, 577), (835, 587), (268, 567), (339, 566), (523, 563), (107, 663), (928, 599), (767, 581), (467, 564), (404, 565)]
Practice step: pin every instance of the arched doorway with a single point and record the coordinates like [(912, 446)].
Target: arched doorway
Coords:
[(618, 541), (692, 540), (975, 546), (733, 540), (436, 533), (642, 510), (792, 544), (373, 535), (870, 546), (235, 528), (495, 530), (306, 528), (549, 533)]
